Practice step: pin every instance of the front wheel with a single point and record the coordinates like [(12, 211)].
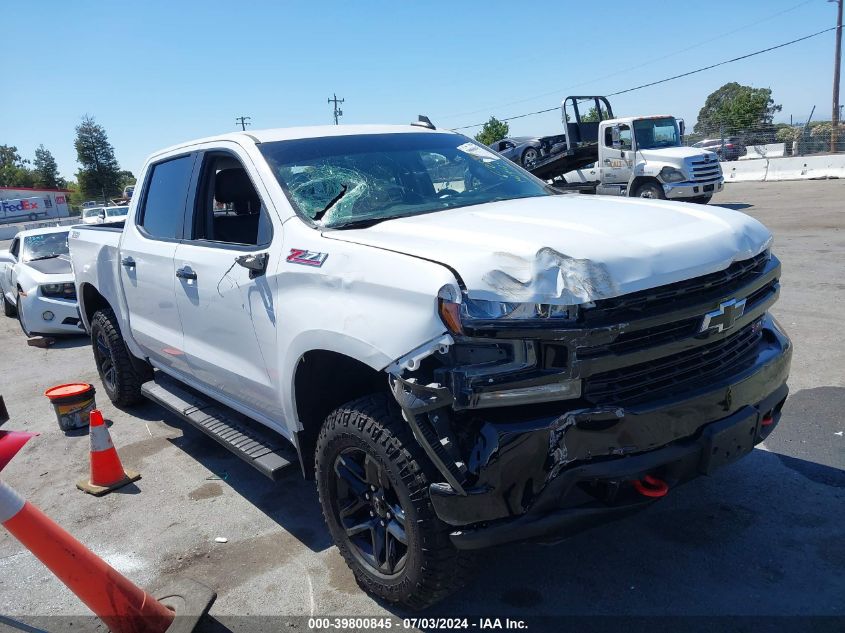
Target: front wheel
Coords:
[(650, 190), (120, 378), (9, 308), (373, 479), (19, 312)]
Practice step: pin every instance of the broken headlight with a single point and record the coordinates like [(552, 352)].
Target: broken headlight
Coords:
[(480, 309), (670, 174), (59, 291), (455, 314)]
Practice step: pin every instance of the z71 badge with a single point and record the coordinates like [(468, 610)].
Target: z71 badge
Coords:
[(307, 258)]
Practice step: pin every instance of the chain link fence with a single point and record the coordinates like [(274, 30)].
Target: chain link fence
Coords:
[(770, 140)]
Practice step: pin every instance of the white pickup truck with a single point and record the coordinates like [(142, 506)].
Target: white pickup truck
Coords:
[(461, 356)]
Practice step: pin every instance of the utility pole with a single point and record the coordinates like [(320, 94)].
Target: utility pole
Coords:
[(834, 133), (243, 121), (337, 111)]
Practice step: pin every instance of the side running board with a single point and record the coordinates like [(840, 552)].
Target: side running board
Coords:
[(258, 446)]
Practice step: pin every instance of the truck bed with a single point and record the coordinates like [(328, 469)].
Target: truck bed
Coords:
[(95, 257), (558, 164)]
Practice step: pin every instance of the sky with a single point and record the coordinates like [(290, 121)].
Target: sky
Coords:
[(156, 73)]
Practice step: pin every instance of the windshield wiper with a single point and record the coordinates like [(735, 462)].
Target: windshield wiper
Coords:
[(343, 189), (40, 257)]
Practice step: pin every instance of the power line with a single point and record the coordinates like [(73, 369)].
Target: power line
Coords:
[(661, 81), (337, 111), (243, 121), (638, 66)]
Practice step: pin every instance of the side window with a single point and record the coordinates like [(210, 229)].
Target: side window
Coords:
[(164, 202), (15, 248), (228, 209), (625, 137)]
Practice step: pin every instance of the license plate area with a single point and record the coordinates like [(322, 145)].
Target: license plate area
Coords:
[(728, 440)]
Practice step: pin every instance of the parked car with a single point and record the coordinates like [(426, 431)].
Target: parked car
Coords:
[(459, 363), (99, 215), (527, 150), (116, 213), (729, 149), (36, 281)]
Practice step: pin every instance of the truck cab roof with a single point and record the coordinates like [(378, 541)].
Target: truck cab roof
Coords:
[(293, 133)]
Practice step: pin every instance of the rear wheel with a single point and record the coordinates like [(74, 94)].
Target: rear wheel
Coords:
[(650, 190), (529, 157), (373, 478), (120, 377), (8, 307)]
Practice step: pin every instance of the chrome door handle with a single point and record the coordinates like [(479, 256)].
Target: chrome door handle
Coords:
[(128, 262), (186, 273)]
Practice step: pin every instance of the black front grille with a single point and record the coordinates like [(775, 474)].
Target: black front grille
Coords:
[(675, 373), (656, 300)]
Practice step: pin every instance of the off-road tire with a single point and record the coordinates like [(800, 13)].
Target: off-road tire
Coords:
[(9, 308), (434, 567), (124, 387), (650, 190)]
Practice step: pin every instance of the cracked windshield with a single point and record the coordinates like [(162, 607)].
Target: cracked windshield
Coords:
[(353, 181)]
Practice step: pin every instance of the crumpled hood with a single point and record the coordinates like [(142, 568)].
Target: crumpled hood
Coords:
[(571, 249), (675, 153)]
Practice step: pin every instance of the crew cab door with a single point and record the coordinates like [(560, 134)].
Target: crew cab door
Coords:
[(147, 273), (228, 309), (617, 156)]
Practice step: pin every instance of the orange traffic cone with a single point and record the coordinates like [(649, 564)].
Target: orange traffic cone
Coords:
[(107, 472), (118, 602)]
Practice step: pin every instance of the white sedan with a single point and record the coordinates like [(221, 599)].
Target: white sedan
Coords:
[(36, 282), (102, 215)]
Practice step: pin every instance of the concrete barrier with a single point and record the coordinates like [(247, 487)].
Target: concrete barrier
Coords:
[(807, 167), (772, 150), (745, 171), (793, 168), (8, 231)]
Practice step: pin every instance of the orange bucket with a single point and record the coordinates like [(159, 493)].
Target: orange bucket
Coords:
[(73, 404)]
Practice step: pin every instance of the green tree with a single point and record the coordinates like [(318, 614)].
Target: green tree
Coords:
[(45, 171), (494, 130), (737, 110), (126, 178), (592, 115), (99, 175), (13, 169)]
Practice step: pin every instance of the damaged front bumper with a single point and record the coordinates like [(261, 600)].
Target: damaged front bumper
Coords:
[(550, 470)]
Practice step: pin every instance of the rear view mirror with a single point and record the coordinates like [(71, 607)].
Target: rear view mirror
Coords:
[(255, 263)]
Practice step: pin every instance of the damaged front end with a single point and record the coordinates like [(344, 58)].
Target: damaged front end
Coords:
[(541, 425)]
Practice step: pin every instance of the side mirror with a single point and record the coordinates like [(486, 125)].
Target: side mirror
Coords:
[(6, 257), (681, 127), (255, 263), (614, 133)]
